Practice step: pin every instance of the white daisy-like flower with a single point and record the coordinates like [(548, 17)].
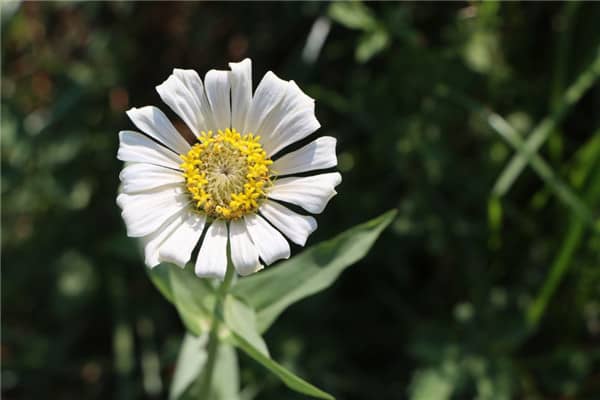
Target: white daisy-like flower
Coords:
[(226, 183)]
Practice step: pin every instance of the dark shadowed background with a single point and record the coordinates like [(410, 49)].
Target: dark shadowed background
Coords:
[(481, 288)]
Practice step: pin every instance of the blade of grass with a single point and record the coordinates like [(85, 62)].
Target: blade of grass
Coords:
[(557, 271), (543, 130), (571, 241), (561, 189), (512, 137)]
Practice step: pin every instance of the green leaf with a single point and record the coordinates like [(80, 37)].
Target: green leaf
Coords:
[(226, 380), (242, 319), (288, 378), (272, 291), (191, 360), (353, 15), (225, 383)]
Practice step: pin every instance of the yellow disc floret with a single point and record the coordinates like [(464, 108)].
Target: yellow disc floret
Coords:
[(227, 173)]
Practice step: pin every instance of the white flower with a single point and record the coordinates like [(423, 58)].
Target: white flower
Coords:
[(226, 183)]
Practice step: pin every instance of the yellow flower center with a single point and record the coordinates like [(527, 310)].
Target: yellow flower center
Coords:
[(227, 173)]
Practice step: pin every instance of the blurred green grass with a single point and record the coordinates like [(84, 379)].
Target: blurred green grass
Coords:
[(474, 292)]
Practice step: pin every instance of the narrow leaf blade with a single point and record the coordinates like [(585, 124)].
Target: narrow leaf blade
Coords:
[(288, 378), (190, 362), (225, 384)]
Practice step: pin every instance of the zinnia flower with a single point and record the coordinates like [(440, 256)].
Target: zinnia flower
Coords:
[(230, 182)]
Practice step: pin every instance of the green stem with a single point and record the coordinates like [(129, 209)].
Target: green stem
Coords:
[(213, 339)]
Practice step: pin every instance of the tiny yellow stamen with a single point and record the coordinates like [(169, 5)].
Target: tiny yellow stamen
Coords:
[(227, 174)]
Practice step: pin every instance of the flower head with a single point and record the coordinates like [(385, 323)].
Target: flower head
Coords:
[(231, 181)]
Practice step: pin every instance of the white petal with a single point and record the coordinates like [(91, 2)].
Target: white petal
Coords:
[(155, 124), (311, 193), (291, 128), (318, 154), (177, 249), (184, 93), (144, 213), (271, 244), (217, 90), (241, 92), (212, 258), (135, 147), (268, 94), (293, 100), (293, 225), (153, 241), (140, 177), (243, 252)]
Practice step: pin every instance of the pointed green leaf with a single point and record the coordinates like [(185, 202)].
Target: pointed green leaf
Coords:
[(242, 332), (272, 291), (288, 378), (191, 360), (226, 380), (225, 383), (242, 319)]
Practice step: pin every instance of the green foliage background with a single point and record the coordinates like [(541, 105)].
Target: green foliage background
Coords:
[(483, 287)]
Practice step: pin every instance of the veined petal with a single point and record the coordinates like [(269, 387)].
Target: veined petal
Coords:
[(271, 245), (177, 248), (135, 147), (293, 225), (268, 94), (184, 93), (244, 254), (144, 213), (241, 92), (153, 241), (217, 90), (290, 129), (318, 154), (311, 193), (155, 124), (212, 258), (140, 177)]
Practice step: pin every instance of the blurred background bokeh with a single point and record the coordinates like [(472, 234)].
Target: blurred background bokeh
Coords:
[(487, 285)]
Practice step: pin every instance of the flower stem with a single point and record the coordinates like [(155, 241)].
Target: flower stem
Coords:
[(213, 339)]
